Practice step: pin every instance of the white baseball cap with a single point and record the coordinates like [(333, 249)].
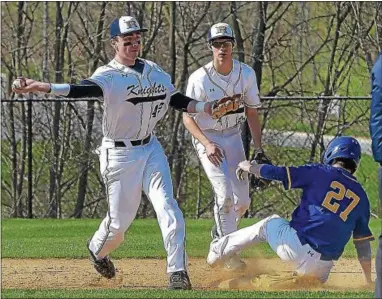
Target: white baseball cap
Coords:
[(220, 30), (125, 25)]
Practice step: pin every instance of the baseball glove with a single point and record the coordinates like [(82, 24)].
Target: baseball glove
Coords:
[(225, 105), (261, 158)]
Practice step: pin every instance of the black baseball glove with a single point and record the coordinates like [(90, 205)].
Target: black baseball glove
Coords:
[(261, 158)]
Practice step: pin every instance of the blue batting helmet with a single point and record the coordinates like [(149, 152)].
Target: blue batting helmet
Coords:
[(343, 147)]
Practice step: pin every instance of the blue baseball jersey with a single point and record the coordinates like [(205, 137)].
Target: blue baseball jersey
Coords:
[(334, 206)]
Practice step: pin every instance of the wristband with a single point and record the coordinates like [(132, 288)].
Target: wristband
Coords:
[(59, 89), (199, 107)]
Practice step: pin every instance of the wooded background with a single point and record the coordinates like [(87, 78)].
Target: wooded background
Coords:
[(312, 61)]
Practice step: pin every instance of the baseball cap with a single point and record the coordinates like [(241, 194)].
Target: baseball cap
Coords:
[(125, 25), (220, 30)]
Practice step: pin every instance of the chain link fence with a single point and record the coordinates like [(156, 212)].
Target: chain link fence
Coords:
[(50, 167)]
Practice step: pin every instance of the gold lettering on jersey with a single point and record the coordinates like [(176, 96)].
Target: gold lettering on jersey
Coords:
[(339, 194), (146, 91)]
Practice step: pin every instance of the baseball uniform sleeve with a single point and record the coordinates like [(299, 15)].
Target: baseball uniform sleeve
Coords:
[(252, 98), (166, 79), (299, 177), (194, 89), (171, 88), (362, 231), (104, 80)]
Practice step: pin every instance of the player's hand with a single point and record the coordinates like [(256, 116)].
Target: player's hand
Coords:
[(214, 154), (25, 85), (243, 169)]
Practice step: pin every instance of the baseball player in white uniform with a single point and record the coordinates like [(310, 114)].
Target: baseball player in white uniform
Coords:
[(136, 94), (218, 143)]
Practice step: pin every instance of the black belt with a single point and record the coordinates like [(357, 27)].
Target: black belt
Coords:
[(322, 257), (133, 142)]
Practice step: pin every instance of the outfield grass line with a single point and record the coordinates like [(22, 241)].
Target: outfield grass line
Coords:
[(52, 238)]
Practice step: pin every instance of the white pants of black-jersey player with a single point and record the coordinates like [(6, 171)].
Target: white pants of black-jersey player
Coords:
[(126, 171), (283, 240)]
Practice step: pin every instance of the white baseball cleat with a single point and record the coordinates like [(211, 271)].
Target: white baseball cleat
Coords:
[(215, 255)]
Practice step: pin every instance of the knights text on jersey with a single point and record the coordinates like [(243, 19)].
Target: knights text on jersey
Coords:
[(133, 102), (205, 84)]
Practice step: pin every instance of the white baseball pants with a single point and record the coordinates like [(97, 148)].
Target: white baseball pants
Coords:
[(231, 195), (283, 240), (126, 171)]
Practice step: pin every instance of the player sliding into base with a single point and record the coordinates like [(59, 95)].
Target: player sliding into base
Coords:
[(333, 207)]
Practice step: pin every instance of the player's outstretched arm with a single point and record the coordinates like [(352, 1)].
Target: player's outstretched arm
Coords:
[(85, 89), (263, 171)]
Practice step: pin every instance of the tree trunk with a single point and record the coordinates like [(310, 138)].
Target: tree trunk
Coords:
[(18, 166), (172, 24), (45, 66), (53, 177), (85, 163), (324, 105), (258, 44), (177, 133), (237, 31), (379, 24), (257, 64)]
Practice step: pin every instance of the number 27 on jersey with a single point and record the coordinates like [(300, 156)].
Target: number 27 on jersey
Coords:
[(339, 193)]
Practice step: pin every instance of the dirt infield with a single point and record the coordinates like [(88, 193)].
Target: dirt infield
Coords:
[(150, 273)]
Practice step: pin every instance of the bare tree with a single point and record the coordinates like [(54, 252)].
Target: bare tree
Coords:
[(84, 164), (310, 48), (57, 165)]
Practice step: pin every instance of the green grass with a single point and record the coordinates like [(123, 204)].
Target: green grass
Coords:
[(123, 293), (47, 238)]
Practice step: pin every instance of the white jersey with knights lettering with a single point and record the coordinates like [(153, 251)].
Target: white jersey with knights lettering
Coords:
[(133, 102), (206, 84)]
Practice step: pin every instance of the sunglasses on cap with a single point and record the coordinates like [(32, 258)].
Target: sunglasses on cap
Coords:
[(218, 44)]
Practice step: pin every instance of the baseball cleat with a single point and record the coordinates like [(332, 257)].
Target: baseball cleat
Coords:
[(103, 266), (215, 255), (179, 281)]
